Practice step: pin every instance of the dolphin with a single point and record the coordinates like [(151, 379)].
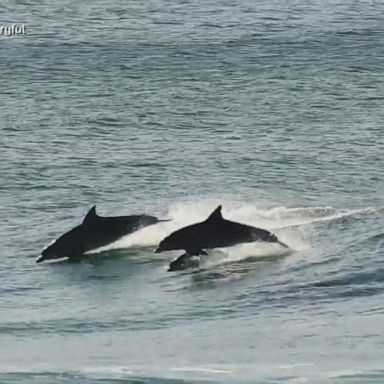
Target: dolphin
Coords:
[(183, 262), (94, 232), (214, 232)]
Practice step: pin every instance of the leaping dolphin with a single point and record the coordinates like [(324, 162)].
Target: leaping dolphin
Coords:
[(94, 232), (214, 232)]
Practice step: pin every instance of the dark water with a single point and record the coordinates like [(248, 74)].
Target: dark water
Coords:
[(273, 109)]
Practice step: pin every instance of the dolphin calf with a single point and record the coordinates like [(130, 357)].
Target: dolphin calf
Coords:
[(183, 262), (94, 232), (214, 232)]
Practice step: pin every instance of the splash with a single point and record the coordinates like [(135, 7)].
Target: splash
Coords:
[(246, 251), (287, 223)]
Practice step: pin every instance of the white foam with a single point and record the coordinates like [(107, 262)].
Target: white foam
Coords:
[(202, 369), (244, 251), (112, 372)]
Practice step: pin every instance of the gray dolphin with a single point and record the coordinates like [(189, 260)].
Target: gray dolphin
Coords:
[(94, 232), (214, 232)]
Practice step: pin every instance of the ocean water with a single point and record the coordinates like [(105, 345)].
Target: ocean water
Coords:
[(273, 109)]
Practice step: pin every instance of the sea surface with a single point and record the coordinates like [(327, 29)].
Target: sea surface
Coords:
[(273, 109)]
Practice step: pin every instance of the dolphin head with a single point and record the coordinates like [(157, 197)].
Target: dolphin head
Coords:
[(181, 239), (69, 244), (183, 262), (72, 242), (168, 244)]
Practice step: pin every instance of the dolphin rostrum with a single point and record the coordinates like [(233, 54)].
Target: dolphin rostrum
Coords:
[(214, 232), (94, 232)]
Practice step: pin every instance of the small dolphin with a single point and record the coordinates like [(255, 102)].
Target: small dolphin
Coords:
[(94, 232), (214, 232), (183, 262)]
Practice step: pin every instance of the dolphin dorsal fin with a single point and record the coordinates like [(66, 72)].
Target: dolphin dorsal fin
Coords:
[(215, 215), (90, 216)]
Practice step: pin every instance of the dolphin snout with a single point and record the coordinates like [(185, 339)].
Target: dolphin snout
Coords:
[(44, 256), (161, 247)]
